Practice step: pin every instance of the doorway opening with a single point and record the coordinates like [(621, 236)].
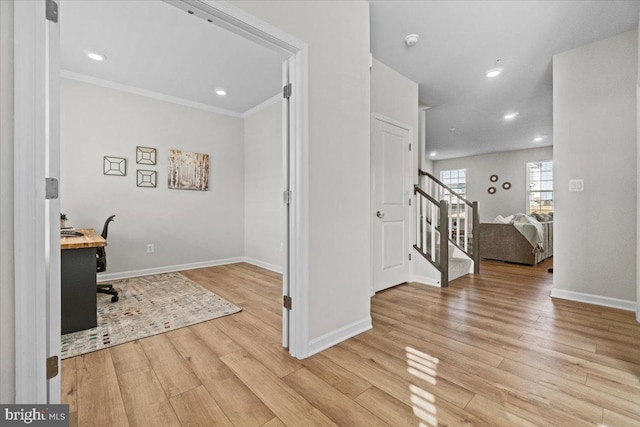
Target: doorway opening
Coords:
[(46, 281)]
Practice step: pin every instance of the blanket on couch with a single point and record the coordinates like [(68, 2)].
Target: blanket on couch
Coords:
[(531, 229)]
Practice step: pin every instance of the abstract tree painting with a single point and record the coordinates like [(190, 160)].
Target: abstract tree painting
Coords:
[(188, 171)]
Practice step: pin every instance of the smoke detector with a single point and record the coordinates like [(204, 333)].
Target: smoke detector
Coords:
[(411, 39)]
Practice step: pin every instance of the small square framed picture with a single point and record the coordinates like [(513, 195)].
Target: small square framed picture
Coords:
[(114, 166), (145, 156), (146, 178)]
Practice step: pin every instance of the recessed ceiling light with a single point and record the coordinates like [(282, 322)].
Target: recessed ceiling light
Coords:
[(495, 72), (95, 56), (538, 138), (510, 116), (221, 92), (433, 154)]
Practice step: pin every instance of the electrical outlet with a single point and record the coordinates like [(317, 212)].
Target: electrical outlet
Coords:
[(150, 248)]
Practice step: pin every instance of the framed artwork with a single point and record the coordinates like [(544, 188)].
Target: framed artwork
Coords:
[(114, 166), (146, 178), (188, 171), (145, 156)]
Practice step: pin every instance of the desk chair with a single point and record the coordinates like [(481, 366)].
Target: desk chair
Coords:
[(102, 263)]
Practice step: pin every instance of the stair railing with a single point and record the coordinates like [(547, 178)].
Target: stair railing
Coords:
[(461, 214), (432, 224)]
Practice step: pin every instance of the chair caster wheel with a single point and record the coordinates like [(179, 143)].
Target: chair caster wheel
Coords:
[(114, 299)]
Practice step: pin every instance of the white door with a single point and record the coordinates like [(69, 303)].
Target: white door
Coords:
[(390, 202)]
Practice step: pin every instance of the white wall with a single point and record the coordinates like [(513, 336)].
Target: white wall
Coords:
[(263, 207), (638, 186), (186, 227), (7, 337), (510, 166), (595, 139), (337, 33), (395, 96)]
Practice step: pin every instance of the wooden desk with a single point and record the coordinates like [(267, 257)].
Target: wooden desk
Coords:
[(78, 271)]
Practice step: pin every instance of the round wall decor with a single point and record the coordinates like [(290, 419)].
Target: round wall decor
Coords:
[(493, 178), (491, 190), (506, 185)]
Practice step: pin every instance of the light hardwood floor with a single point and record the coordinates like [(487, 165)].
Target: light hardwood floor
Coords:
[(492, 350)]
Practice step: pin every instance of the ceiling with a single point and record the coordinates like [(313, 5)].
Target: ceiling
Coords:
[(461, 40), (156, 47)]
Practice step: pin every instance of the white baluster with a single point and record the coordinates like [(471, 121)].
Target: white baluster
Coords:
[(466, 227)]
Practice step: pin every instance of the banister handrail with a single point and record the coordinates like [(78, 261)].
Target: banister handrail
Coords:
[(417, 189), (452, 191)]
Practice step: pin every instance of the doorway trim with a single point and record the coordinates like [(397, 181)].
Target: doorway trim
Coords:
[(31, 93)]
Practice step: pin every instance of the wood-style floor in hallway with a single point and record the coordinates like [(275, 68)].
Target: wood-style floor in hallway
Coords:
[(492, 349)]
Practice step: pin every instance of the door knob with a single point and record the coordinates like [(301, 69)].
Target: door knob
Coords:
[(380, 214)]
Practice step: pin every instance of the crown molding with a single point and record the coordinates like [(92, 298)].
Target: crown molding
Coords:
[(146, 93), (269, 102)]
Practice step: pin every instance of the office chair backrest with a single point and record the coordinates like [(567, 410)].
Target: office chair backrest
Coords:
[(105, 229), (101, 253)]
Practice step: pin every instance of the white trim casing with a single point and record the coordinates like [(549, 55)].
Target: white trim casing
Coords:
[(332, 338), (594, 299), (30, 126)]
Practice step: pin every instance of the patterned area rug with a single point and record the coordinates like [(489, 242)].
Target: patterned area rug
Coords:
[(148, 306)]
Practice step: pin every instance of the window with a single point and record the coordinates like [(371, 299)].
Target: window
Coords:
[(540, 185), (455, 179)]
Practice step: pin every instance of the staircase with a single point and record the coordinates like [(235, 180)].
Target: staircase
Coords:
[(445, 229)]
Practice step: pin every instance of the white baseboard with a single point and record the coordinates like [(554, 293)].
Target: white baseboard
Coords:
[(332, 338), (638, 315), (423, 280), (103, 277), (595, 299), (262, 264)]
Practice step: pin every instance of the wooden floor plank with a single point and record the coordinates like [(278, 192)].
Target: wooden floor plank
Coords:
[(171, 369), (99, 400), (196, 407), (388, 408), (335, 375), (144, 399), (239, 404), (492, 349), (285, 402), (342, 411)]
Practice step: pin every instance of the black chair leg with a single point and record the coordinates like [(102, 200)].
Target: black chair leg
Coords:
[(108, 289)]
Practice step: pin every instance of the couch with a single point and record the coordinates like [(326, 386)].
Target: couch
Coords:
[(503, 242)]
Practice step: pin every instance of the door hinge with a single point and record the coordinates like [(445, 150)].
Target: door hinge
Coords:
[(51, 11), (409, 202), (409, 257), (286, 196), (50, 188), (409, 147), (52, 367), (286, 91), (287, 302)]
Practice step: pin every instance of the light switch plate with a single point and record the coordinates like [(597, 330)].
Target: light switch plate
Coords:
[(576, 185)]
